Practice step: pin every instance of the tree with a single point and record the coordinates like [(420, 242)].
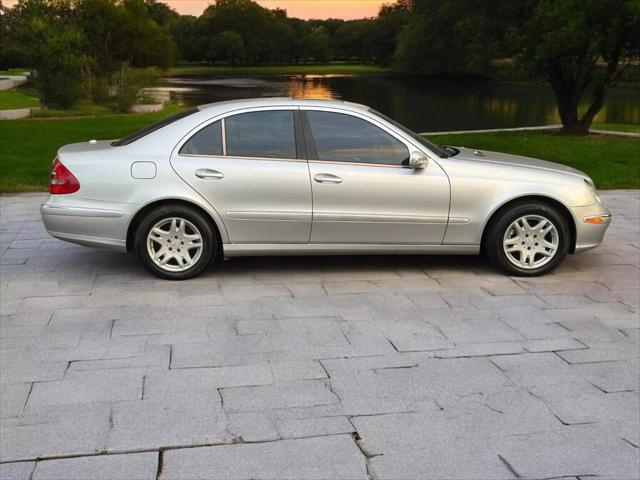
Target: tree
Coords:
[(57, 51), (582, 47), (318, 45), (383, 36), (438, 39), (227, 46)]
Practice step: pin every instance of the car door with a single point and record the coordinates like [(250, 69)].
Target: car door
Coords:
[(252, 168), (363, 189)]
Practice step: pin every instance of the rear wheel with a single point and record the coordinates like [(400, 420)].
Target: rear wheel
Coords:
[(175, 242), (529, 239)]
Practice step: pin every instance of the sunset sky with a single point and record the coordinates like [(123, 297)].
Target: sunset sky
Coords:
[(299, 8), (346, 9)]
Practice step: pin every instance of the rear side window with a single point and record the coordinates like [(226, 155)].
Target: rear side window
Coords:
[(138, 134), (344, 138), (268, 134), (208, 141)]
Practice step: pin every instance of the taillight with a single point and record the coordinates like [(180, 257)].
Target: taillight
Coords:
[(62, 180)]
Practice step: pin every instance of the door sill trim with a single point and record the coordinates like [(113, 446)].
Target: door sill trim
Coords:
[(242, 250)]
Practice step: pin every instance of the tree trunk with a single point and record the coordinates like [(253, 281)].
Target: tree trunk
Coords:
[(568, 102)]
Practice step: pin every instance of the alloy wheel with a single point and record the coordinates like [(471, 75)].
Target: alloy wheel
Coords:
[(531, 242), (174, 244)]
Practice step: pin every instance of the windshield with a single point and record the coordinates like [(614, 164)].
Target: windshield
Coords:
[(138, 134), (442, 153)]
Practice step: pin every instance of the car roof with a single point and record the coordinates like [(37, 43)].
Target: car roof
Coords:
[(276, 101)]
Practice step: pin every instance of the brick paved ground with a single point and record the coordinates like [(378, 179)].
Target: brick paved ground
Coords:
[(354, 367)]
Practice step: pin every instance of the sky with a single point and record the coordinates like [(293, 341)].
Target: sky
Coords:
[(346, 9)]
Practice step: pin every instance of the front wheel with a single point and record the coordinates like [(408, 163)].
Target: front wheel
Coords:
[(175, 242), (529, 239)]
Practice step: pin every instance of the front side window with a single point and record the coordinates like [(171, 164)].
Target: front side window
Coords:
[(268, 134), (208, 141), (345, 138)]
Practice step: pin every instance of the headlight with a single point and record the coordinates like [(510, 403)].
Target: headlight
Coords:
[(593, 190)]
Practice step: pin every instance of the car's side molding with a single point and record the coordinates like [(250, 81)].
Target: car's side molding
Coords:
[(250, 249)]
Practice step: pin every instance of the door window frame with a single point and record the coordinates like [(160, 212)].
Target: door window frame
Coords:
[(312, 151), (300, 144)]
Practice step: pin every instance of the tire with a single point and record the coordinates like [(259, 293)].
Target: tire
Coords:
[(528, 248), (181, 246)]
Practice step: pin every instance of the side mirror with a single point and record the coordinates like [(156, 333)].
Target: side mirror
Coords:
[(418, 160)]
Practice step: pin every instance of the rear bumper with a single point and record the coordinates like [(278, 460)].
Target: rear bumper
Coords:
[(89, 223), (590, 235)]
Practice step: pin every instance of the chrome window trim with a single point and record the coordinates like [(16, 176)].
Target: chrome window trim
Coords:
[(235, 157), (221, 118), (361, 164)]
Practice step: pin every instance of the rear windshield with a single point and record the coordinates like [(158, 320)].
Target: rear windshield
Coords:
[(138, 134)]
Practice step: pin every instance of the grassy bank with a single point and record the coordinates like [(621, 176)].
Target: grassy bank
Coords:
[(612, 162), (329, 69), (28, 147), (12, 99), (616, 127)]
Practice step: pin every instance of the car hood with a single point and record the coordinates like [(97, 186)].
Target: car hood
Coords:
[(518, 161)]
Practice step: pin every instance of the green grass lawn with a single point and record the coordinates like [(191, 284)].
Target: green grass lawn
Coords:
[(336, 68), (619, 127), (612, 162), (27, 148), (12, 99), (14, 71)]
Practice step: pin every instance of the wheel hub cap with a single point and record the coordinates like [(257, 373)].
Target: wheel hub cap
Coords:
[(174, 244), (531, 242)]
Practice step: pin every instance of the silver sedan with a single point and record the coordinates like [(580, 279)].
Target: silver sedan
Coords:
[(288, 176)]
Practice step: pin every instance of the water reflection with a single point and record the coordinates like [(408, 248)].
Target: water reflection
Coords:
[(422, 104)]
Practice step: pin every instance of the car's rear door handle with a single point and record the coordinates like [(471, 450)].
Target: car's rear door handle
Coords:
[(327, 178), (206, 173)]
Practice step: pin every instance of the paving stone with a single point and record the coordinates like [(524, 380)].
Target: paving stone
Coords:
[(240, 292), (618, 376), (253, 426), (209, 355), (446, 367), (284, 372), (179, 382), (300, 290), (55, 431), (295, 394), (577, 451), (195, 419), (602, 352), (313, 427), (333, 288), (88, 386), (17, 471), (154, 356), (23, 368), (13, 399), (134, 466), (322, 458), (257, 327)]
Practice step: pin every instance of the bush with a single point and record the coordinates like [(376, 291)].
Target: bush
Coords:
[(57, 53), (129, 82)]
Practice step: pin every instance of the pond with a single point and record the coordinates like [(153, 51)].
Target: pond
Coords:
[(425, 105)]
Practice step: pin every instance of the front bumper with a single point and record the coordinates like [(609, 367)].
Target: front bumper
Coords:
[(89, 223), (588, 234)]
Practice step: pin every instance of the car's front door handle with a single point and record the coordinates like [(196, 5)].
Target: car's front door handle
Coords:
[(206, 173), (327, 178)]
